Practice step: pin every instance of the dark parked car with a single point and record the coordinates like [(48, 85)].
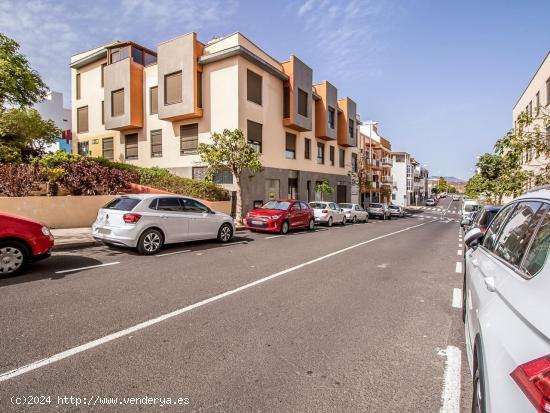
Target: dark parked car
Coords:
[(22, 240)]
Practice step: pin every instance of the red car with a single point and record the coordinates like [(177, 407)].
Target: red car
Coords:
[(281, 215), (22, 240)]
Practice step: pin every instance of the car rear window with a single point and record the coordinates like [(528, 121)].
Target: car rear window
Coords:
[(122, 204), (375, 205), (394, 207), (317, 205), (346, 206)]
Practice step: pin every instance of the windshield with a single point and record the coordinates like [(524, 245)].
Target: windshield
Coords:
[(470, 207), (346, 206), (375, 205), (317, 205), (282, 205), (122, 204), (394, 207)]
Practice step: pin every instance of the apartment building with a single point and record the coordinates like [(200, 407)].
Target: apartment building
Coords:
[(534, 98), (410, 180), (153, 107), (51, 108), (376, 164)]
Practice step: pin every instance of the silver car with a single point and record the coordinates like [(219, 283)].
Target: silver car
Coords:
[(380, 211), (355, 213), (147, 222), (396, 211), (328, 213), (505, 308)]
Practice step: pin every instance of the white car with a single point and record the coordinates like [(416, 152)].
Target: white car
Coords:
[(456, 198), (355, 213), (148, 221), (328, 213), (396, 211), (469, 208), (505, 308)]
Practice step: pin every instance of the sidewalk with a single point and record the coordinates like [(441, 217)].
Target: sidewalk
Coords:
[(70, 238)]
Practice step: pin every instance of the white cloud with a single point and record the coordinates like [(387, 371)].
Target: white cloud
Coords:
[(50, 31)]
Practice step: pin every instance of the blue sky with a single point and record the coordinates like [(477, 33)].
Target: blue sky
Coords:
[(441, 76)]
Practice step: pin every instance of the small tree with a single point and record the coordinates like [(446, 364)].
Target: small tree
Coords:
[(323, 188), (230, 150)]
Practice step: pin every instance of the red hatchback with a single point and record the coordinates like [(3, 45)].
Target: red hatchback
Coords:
[(22, 240), (281, 215)]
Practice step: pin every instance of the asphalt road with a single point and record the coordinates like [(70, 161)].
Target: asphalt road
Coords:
[(354, 318)]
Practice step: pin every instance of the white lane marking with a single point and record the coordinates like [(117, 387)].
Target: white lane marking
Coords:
[(113, 336), (274, 236), (457, 298), (172, 253), (458, 267), (233, 243), (459, 252), (459, 245), (88, 267), (450, 398)]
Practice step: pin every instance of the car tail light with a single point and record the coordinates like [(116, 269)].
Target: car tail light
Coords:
[(324, 211), (131, 218), (533, 378)]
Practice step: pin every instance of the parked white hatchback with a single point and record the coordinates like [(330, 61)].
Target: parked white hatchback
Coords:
[(506, 307), (355, 213), (147, 222), (328, 213)]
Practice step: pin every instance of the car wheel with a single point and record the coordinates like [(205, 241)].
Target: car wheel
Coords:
[(384, 217), (389, 216), (354, 220), (225, 233), (343, 220), (150, 242), (329, 223), (14, 257), (284, 228), (311, 225), (478, 402)]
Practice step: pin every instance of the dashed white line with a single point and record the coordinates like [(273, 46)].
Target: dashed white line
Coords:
[(274, 236), (459, 252), (233, 243), (458, 268), (457, 298), (450, 398), (172, 253), (87, 268), (113, 336)]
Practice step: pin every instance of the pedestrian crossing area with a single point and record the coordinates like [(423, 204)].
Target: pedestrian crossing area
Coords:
[(444, 219), (455, 211)]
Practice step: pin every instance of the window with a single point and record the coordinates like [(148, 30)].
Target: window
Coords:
[(131, 146), (490, 237), (103, 74), (354, 162), (154, 99), (351, 129), (286, 101), (169, 204), (172, 88), (199, 89), (253, 87), (123, 203), (548, 91), (82, 119), (191, 205), (199, 172), (307, 148), (103, 112), (156, 143), (290, 149), (117, 102), (320, 153), (137, 55), (149, 59), (107, 150), (78, 85), (537, 255), (119, 53), (537, 107), (302, 102), (530, 108), (516, 233), (331, 117), (83, 148), (223, 177), (342, 158), (331, 155), (254, 135), (189, 138)]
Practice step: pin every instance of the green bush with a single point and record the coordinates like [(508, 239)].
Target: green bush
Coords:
[(56, 159), (147, 175), (9, 154), (191, 187)]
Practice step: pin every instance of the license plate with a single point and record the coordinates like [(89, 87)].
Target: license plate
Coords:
[(104, 231), (257, 222)]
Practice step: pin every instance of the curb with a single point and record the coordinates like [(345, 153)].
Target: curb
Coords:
[(74, 245)]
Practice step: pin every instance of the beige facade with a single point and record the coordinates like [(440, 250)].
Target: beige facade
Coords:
[(535, 96), (227, 83)]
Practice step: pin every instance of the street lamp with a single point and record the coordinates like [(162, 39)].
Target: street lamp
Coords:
[(370, 123)]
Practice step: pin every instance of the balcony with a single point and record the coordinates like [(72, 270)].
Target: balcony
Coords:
[(347, 122), (375, 163), (297, 95), (180, 78), (387, 162), (387, 179), (326, 111)]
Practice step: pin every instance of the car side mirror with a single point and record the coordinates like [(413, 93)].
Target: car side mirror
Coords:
[(472, 237)]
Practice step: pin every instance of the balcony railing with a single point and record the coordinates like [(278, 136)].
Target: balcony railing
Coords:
[(387, 179), (373, 162), (387, 162)]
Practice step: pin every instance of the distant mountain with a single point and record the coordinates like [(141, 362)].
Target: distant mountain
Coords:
[(450, 179)]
